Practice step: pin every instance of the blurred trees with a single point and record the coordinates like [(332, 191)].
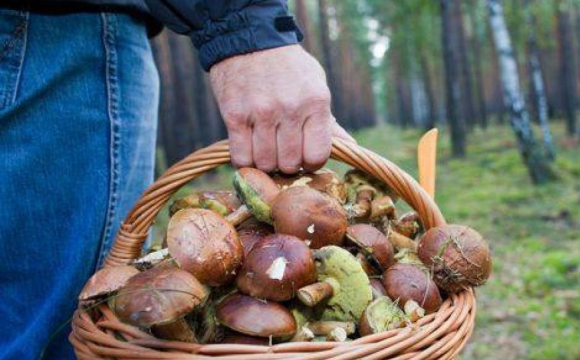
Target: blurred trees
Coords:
[(412, 63)]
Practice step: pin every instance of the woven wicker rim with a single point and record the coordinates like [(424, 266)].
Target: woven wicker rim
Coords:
[(441, 335)]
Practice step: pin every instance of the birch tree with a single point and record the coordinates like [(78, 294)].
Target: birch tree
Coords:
[(534, 159), (537, 82)]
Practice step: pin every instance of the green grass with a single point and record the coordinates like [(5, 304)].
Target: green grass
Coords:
[(530, 308)]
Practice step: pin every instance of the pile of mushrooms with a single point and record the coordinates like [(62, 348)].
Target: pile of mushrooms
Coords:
[(308, 257)]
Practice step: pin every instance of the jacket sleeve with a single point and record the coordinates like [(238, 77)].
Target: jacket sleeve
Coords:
[(224, 28)]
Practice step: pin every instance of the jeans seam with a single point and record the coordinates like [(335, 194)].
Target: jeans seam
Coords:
[(22, 28), (112, 89)]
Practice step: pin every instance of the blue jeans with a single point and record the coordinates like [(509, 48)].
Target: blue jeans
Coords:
[(78, 115)]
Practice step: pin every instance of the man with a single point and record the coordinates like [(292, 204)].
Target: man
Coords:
[(78, 109)]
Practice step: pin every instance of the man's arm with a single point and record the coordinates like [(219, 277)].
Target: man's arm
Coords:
[(271, 93)]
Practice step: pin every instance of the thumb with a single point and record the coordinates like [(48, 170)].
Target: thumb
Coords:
[(339, 132)]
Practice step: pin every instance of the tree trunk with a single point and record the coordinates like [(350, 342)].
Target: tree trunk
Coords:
[(328, 58), (567, 67), (452, 82), (476, 48), (537, 84), (429, 91), (535, 160), (302, 16), (465, 68)]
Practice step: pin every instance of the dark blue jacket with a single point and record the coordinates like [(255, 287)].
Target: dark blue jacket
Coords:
[(219, 28)]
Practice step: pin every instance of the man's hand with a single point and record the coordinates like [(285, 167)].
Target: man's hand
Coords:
[(276, 107)]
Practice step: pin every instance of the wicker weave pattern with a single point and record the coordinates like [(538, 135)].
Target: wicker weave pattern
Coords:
[(437, 336)]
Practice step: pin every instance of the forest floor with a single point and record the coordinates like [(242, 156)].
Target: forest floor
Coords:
[(530, 308)]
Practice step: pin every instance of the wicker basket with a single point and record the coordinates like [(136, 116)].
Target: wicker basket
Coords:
[(441, 335)]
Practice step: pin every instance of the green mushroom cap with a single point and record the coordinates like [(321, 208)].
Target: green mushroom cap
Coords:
[(354, 293)]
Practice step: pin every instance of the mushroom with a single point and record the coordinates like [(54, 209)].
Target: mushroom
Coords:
[(150, 260), (400, 241), (406, 256), (205, 244), (190, 201), (406, 282), (106, 281), (179, 330), (378, 288), (458, 256), (224, 202), (342, 282), (255, 317), (276, 268), (362, 189), (309, 215), (257, 191), (158, 297), (250, 234), (407, 224), (382, 208), (369, 269), (372, 243), (324, 180), (381, 315)]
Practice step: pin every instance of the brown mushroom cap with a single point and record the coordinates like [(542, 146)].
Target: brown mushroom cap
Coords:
[(276, 268), (373, 243), (255, 317), (458, 256), (106, 281), (205, 244), (158, 296), (324, 180), (250, 235), (310, 215), (233, 337), (407, 282)]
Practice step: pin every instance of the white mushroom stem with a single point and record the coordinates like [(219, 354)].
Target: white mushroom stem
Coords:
[(304, 334), (338, 334), (239, 215), (327, 327), (413, 310), (312, 294)]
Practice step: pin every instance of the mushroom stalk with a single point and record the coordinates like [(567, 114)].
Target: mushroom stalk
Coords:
[(239, 215), (401, 241), (304, 334), (363, 203), (327, 327), (312, 294)]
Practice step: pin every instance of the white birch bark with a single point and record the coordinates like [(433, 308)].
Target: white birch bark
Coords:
[(535, 161)]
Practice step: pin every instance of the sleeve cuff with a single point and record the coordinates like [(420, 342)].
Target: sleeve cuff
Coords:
[(264, 25)]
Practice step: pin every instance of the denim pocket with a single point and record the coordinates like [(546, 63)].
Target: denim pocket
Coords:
[(13, 28)]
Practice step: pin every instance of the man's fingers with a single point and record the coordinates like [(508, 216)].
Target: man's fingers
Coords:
[(264, 146), (317, 141), (339, 132), (289, 139), (240, 140)]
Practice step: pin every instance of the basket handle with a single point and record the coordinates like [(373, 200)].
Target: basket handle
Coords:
[(134, 229)]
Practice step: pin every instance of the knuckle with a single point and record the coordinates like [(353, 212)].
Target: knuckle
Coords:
[(234, 116), (264, 110)]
